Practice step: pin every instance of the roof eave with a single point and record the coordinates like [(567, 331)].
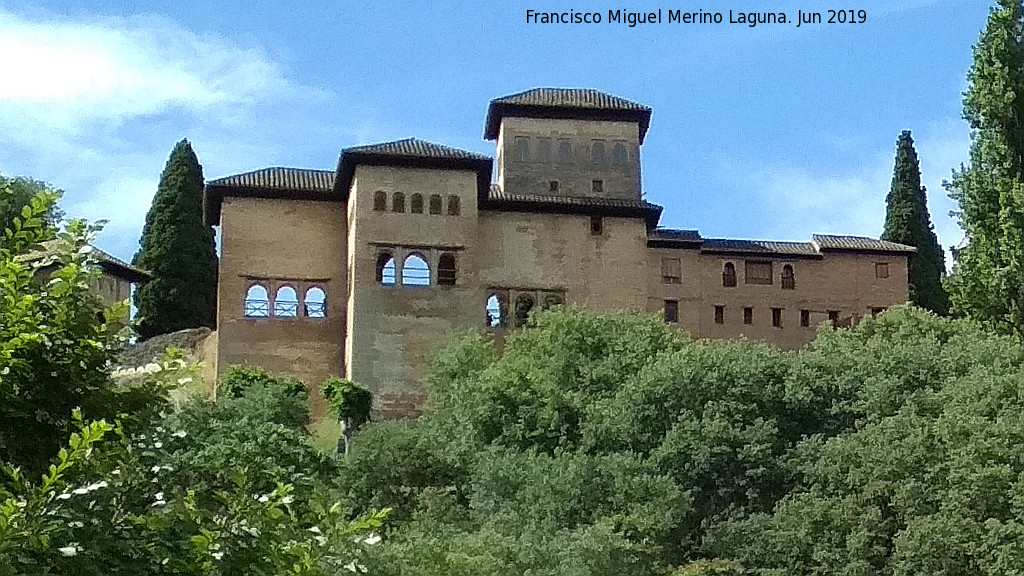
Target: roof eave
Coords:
[(498, 110)]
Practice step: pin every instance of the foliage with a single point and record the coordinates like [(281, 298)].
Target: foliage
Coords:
[(988, 283), (907, 221), (215, 488), (281, 399), (177, 248), (54, 349), (349, 401), (19, 193)]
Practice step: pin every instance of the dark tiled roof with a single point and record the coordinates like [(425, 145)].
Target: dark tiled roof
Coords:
[(279, 178), (858, 243), (277, 182), (117, 267), (759, 247), (673, 235), (571, 98), (566, 103), (415, 148), (415, 153), (501, 201)]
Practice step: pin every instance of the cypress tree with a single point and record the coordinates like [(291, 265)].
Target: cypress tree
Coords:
[(177, 248), (907, 221), (988, 281)]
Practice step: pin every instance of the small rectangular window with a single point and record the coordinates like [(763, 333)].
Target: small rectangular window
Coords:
[(565, 150), (719, 314), (671, 311), (553, 186), (805, 318), (671, 271), (758, 272), (522, 149), (876, 311), (597, 186), (833, 317), (543, 149), (596, 226), (777, 317), (748, 315), (881, 270)]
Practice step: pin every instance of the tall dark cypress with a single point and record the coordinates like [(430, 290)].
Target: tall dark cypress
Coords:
[(907, 221), (988, 278), (178, 248)]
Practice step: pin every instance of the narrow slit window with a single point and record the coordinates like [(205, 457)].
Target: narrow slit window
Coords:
[(453, 205), (416, 203), (719, 314), (553, 186), (671, 271), (777, 317), (398, 202), (386, 270), (788, 279), (748, 315), (729, 275), (671, 311), (435, 203), (833, 318), (415, 271), (805, 318), (257, 302), (314, 303), (596, 226), (380, 201), (286, 302), (446, 271)]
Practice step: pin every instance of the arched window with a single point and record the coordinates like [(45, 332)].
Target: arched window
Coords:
[(446, 271), (380, 201), (386, 269), (435, 204), (286, 303), (619, 156), (729, 275), (416, 204), (314, 303), (495, 312), (415, 271), (597, 153), (398, 202), (257, 302), (524, 304), (453, 205), (788, 280)]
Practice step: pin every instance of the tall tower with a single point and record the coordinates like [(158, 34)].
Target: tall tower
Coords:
[(568, 142)]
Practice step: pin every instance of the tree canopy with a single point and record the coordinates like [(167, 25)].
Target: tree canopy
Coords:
[(177, 247), (907, 221)]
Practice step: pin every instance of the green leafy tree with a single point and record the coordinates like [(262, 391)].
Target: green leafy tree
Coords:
[(907, 221), (350, 403), (988, 283), (54, 347), (178, 249), (20, 192)]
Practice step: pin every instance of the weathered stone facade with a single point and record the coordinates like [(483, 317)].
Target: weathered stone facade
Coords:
[(365, 271)]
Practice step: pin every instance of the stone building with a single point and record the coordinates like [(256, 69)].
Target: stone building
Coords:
[(364, 270)]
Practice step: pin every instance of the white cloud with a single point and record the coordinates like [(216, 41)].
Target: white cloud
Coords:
[(66, 75), (95, 106)]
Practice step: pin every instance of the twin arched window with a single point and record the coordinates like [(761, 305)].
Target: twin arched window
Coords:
[(285, 304), (619, 155), (415, 270)]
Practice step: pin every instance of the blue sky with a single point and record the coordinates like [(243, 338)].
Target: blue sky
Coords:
[(769, 132)]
